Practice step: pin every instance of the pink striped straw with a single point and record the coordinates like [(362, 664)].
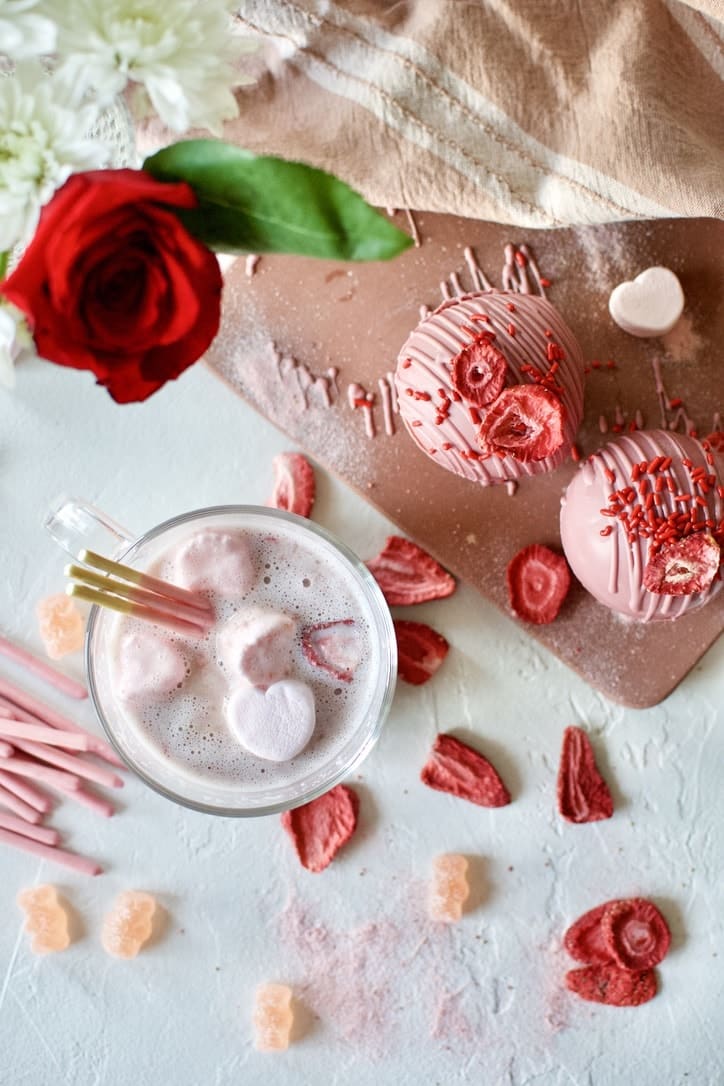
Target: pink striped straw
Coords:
[(90, 799), (17, 729), (28, 793), (45, 671), (12, 802), (71, 762), (6, 751), (23, 767), (43, 714), (45, 834), (46, 852)]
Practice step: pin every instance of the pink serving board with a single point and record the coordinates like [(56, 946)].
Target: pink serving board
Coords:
[(286, 326)]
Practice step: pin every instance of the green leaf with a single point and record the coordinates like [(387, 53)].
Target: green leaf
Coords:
[(4, 261), (260, 204)]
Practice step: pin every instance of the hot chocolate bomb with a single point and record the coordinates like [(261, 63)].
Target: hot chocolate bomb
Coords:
[(642, 524), (490, 386)]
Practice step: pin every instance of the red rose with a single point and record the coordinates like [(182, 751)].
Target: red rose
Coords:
[(114, 283)]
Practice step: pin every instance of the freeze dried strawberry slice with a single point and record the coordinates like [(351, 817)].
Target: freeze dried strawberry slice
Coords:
[(715, 441), (407, 574), (456, 768), (420, 651), (683, 566), (525, 422), (479, 372), (294, 484), (635, 933), (538, 580), (585, 941), (583, 794), (335, 647), (611, 985), (319, 829)]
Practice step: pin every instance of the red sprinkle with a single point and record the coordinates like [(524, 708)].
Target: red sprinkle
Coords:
[(575, 453), (511, 330), (509, 306), (610, 475), (607, 530), (520, 259), (407, 363), (544, 282), (416, 422)]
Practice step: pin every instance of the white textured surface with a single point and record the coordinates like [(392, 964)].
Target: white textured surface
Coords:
[(480, 1002)]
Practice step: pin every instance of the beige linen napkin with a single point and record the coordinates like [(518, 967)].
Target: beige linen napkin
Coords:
[(535, 112)]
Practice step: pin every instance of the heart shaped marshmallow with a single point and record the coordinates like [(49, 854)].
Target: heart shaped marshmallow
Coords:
[(275, 724), (650, 305), (256, 644)]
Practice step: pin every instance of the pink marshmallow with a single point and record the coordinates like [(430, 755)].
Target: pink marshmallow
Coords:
[(256, 645), (275, 724), (149, 667), (215, 561)]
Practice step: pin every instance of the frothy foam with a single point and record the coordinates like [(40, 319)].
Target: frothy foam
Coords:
[(187, 731)]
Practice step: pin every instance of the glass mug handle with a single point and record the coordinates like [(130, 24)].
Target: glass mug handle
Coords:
[(78, 526)]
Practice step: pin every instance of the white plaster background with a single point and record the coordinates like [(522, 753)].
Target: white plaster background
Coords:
[(482, 1003)]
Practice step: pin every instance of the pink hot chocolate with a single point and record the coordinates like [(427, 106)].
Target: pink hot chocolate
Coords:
[(635, 501), (522, 342)]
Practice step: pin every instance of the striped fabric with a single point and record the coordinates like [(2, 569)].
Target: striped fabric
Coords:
[(535, 112)]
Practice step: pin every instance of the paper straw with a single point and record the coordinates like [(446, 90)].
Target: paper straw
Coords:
[(17, 729), (44, 834), (28, 793), (6, 750), (22, 767), (45, 671), (43, 714), (70, 762), (90, 799), (55, 855), (13, 803)]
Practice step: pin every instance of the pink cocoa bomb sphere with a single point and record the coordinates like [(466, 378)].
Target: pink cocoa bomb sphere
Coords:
[(490, 386), (642, 524)]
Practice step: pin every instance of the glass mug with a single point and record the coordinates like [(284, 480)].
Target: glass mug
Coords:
[(327, 759)]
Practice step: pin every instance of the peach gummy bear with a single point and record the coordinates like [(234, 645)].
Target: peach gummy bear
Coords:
[(61, 625), (45, 919), (449, 889), (273, 1017), (129, 924)]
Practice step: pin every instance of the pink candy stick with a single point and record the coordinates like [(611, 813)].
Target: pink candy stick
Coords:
[(18, 729), (43, 714), (43, 834), (70, 762), (89, 799), (45, 852), (26, 792), (14, 803), (21, 767), (45, 671), (6, 750)]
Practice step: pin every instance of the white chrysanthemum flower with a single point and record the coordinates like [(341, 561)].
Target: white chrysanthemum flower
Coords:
[(43, 140), (178, 50), (14, 338), (23, 32)]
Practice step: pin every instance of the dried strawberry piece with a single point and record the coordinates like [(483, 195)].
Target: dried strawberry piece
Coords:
[(479, 372), (715, 441), (420, 651), (456, 768), (585, 941), (294, 484), (583, 794), (320, 828), (538, 580), (683, 566), (407, 574), (525, 422), (611, 985), (334, 647), (636, 933)]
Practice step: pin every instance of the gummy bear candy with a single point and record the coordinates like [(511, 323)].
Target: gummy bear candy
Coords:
[(273, 1017), (61, 625), (449, 889), (45, 919), (128, 926)]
